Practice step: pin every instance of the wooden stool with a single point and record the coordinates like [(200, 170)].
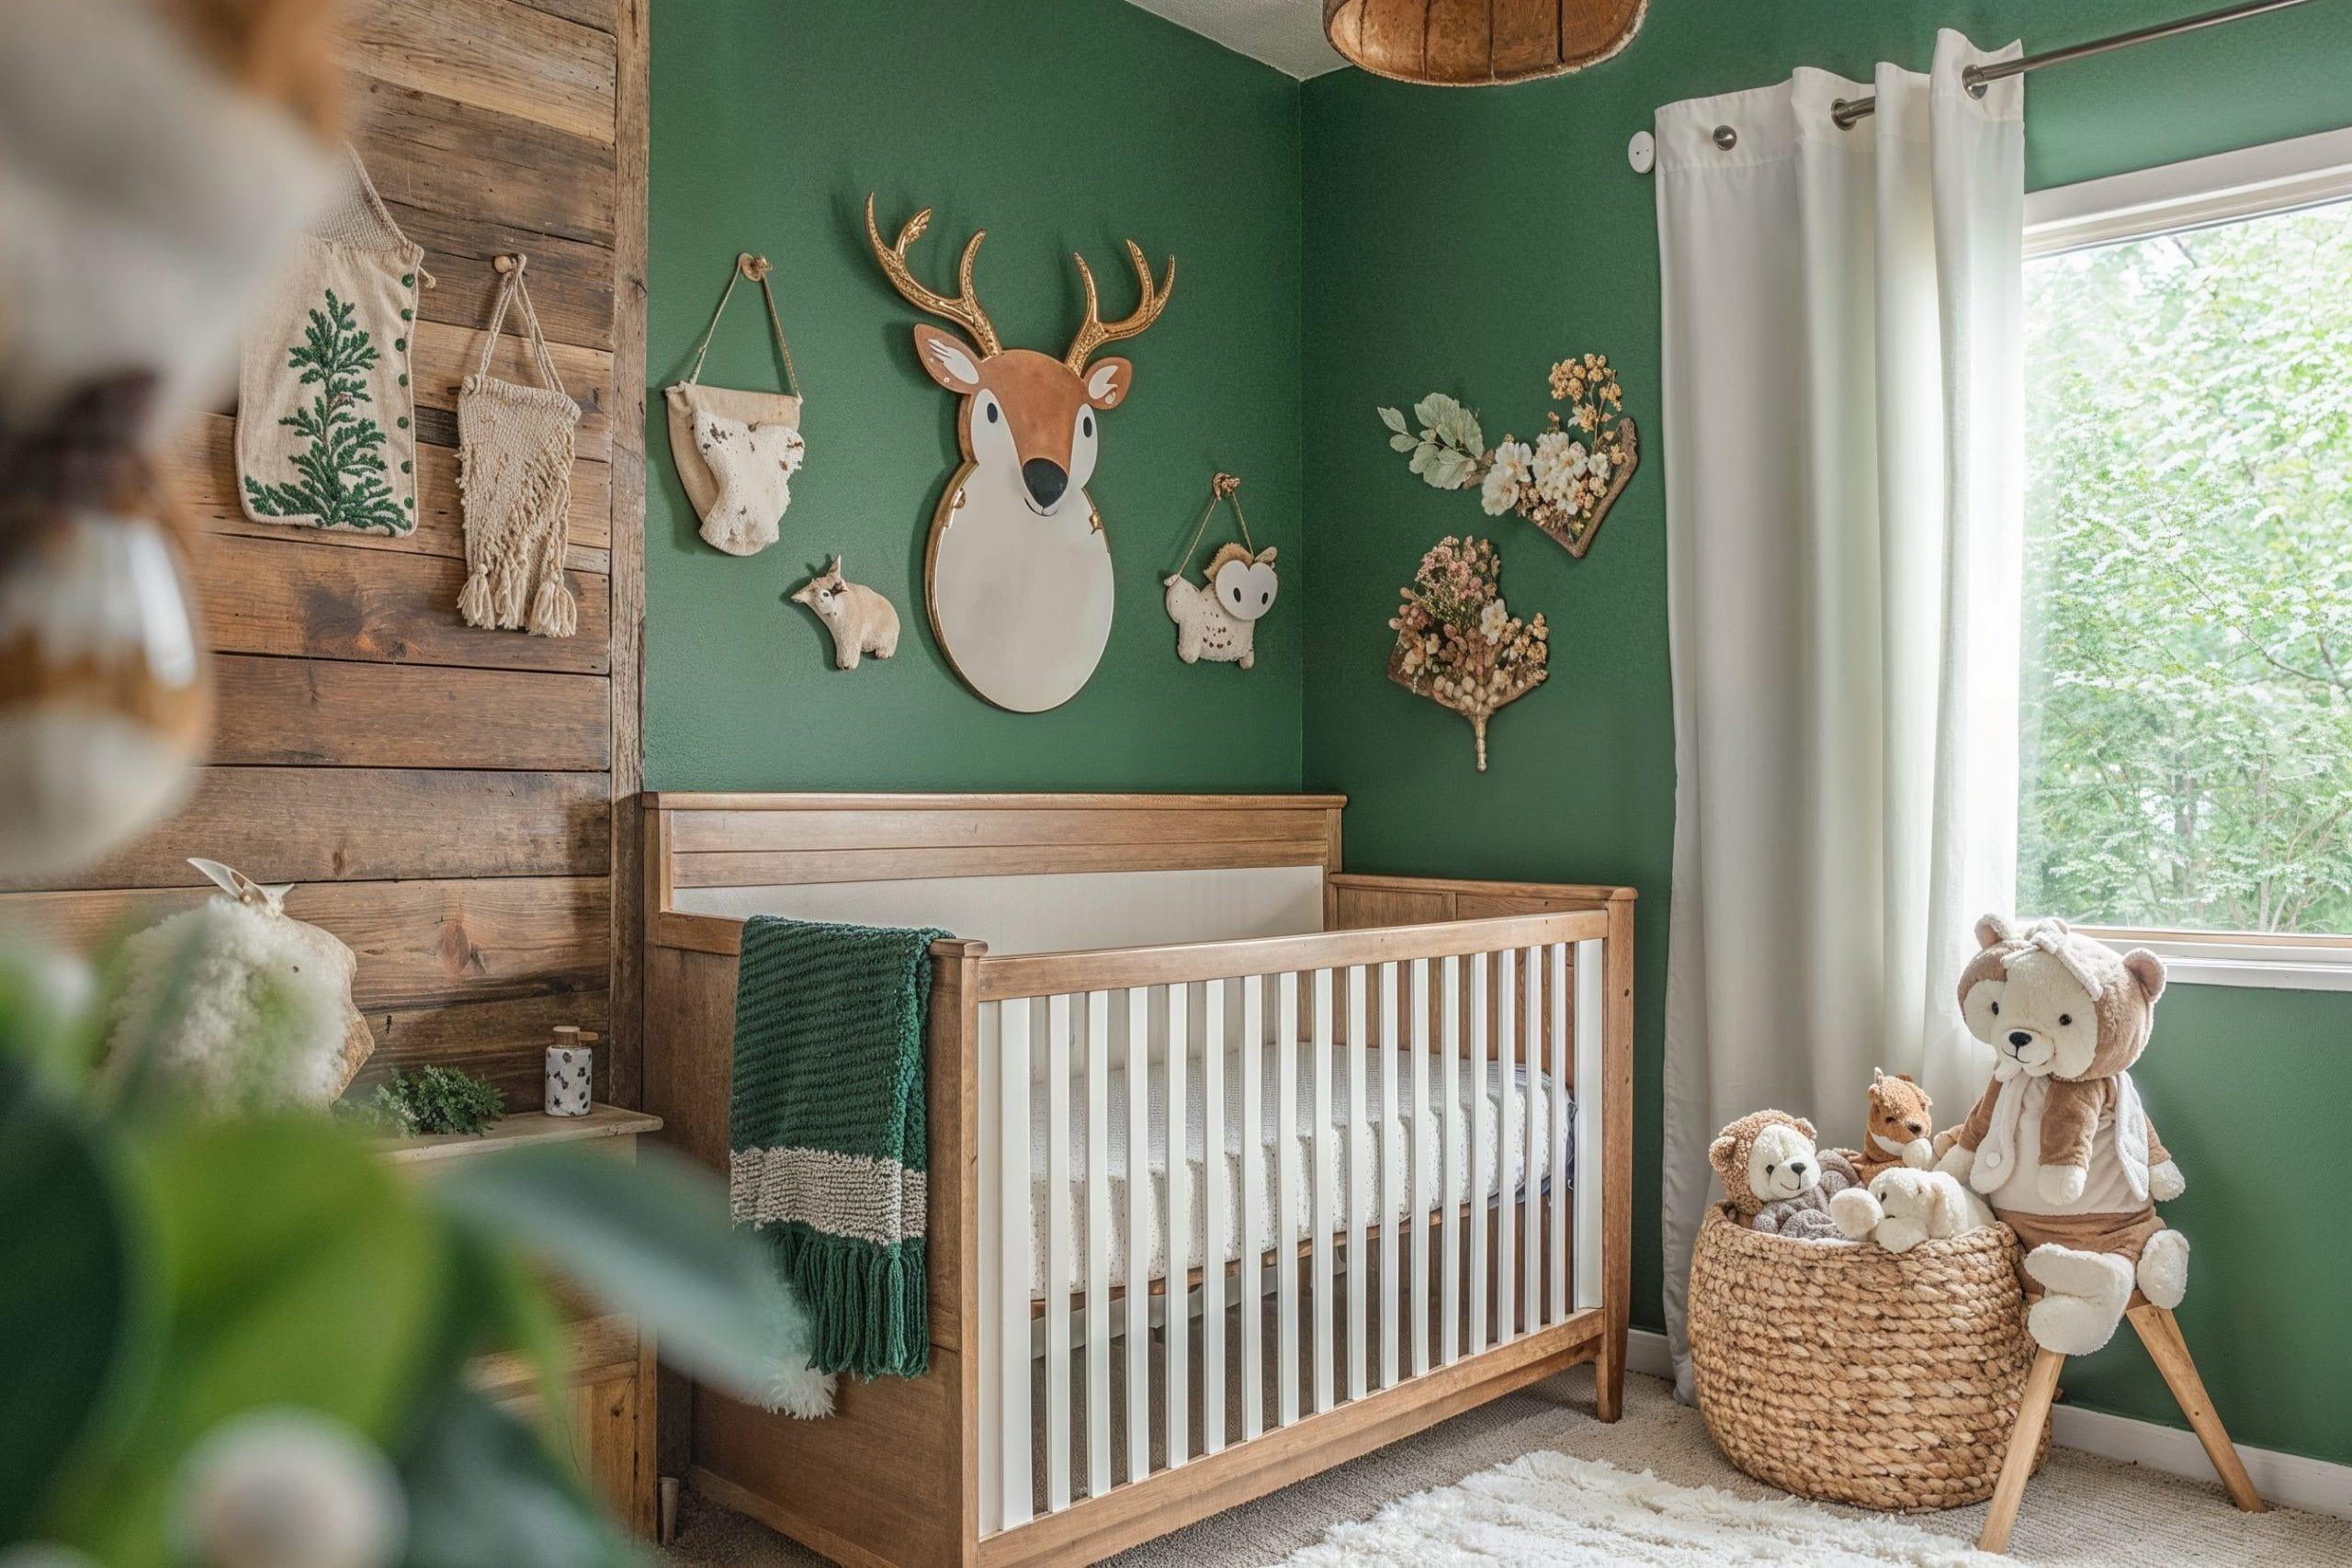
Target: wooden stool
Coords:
[(2161, 1334)]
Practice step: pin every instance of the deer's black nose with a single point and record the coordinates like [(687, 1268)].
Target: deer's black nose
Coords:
[(2019, 1038), (1046, 478)]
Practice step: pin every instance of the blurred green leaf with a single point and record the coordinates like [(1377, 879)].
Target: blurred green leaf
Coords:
[(492, 1301), (650, 1238), (484, 1491), (49, 1017), (73, 1296)]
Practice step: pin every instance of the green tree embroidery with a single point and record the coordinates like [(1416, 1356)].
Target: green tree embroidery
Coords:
[(341, 470)]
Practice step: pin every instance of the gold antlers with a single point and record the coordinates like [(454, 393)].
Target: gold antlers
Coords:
[(1094, 332), (964, 308)]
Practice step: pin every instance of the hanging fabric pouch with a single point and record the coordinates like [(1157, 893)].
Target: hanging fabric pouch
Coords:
[(737, 451), (325, 414), (514, 475)]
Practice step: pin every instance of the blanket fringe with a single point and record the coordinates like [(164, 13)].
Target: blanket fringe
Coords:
[(871, 1304)]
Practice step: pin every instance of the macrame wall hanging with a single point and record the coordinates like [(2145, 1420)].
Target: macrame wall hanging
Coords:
[(514, 474), (737, 451), (1218, 620), (325, 414)]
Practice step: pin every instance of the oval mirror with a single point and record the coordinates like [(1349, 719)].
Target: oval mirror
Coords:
[(1020, 602)]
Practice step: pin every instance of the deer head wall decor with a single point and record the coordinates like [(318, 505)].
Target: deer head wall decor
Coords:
[(1019, 585)]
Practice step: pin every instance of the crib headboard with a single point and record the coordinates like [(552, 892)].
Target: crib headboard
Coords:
[(1022, 872)]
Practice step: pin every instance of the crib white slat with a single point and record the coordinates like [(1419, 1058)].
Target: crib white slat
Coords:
[(1097, 1243), (1556, 960), (1322, 1178), (1176, 1317), (1253, 1198), (1016, 1241), (1452, 1163), (1057, 1246), (1214, 1204), (1359, 1177), (992, 1260), (1287, 1197), (1587, 1114), (1506, 1047), (1424, 1189), (1479, 1173), (1392, 1175), (1538, 1165), (1139, 1232)]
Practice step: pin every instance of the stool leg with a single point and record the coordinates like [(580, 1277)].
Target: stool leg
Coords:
[(2025, 1441), (2160, 1331)]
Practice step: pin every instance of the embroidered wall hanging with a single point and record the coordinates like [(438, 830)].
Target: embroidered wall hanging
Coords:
[(1457, 642), (1218, 620), (737, 451), (1565, 482), (514, 474), (325, 414)]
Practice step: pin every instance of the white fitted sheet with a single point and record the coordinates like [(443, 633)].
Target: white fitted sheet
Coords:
[(1503, 1175)]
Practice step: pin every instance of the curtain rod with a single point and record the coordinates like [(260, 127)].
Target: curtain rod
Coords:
[(1846, 111)]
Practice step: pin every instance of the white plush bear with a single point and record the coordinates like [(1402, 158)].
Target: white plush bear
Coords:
[(1903, 1206), (1776, 1181)]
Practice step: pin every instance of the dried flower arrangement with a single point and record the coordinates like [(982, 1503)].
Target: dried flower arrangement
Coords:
[(1565, 482), (1457, 642)]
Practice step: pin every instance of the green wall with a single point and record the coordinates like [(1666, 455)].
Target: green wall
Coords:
[(1057, 124), (1460, 241)]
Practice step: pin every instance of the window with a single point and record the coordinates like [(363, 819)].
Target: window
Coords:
[(2186, 697)]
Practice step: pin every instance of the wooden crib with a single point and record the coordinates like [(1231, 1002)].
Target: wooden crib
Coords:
[(1144, 954)]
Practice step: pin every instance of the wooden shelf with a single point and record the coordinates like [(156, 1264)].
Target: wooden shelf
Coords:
[(526, 1127)]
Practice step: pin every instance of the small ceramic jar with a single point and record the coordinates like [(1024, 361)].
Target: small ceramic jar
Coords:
[(571, 1069)]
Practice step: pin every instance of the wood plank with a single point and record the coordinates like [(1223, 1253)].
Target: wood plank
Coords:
[(948, 800), (632, 133), (200, 464), (743, 831), (778, 867), (572, 280), (419, 945), (442, 355), (426, 150), (367, 825), (528, 1127), (1360, 907), (1576, 895), (587, 13), (488, 53), (464, 1034), (323, 713), (293, 597)]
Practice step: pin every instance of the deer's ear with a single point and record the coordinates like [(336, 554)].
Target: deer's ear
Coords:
[(1107, 381), (949, 360)]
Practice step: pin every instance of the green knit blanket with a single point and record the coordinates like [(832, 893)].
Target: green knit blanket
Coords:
[(825, 1131)]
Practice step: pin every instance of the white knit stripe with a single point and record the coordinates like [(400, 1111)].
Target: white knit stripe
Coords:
[(878, 1201)]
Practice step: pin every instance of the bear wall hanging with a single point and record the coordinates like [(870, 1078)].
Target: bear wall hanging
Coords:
[(1565, 482), (1217, 619), (860, 618), (1018, 578), (1457, 642)]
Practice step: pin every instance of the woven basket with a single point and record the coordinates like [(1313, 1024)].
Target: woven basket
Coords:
[(1841, 1371)]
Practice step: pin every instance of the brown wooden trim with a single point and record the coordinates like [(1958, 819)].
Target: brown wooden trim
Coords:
[(1095, 1528), (632, 122), (1055, 973), (1616, 1161), (693, 800), (1593, 892), (743, 832)]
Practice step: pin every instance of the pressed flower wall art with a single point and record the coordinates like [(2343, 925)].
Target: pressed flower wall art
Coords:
[(1564, 482), (1457, 642)]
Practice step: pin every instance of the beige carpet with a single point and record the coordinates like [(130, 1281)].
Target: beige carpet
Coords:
[(2079, 1510)]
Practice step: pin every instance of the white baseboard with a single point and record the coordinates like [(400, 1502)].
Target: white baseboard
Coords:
[(2292, 1480)]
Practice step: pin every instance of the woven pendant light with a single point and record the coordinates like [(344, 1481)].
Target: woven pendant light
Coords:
[(1479, 43)]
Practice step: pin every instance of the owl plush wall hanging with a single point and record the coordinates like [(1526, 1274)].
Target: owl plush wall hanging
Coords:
[(1018, 579), (736, 450), (1219, 621)]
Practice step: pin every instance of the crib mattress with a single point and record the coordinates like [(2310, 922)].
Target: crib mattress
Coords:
[(1497, 1136)]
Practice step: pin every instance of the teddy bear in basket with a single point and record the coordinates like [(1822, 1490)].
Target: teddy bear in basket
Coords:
[(1899, 1129), (2059, 1143), (1776, 1179)]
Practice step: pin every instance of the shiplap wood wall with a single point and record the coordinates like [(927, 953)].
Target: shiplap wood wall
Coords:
[(445, 795)]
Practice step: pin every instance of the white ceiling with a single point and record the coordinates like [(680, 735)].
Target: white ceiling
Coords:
[(1284, 34)]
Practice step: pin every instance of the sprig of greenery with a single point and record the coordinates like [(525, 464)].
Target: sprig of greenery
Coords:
[(1450, 451), (435, 1100)]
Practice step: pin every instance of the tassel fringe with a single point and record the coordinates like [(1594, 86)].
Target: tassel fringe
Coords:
[(871, 1304), (473, 600), (554, 611)]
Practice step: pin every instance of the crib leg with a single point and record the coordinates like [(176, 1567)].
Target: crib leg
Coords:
[(1609, 1378), (2161, 1333), (2025, 1441)]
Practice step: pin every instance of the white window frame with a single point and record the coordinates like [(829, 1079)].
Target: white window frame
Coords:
[(2254, 181)]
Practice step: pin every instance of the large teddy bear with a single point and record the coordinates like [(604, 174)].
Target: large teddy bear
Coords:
[(1776, 1179), (2060, 1144)]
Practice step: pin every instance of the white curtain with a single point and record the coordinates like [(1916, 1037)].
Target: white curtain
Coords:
[(1844, 504)]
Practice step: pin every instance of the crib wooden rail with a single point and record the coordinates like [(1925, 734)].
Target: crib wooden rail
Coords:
[(1391, 1179)]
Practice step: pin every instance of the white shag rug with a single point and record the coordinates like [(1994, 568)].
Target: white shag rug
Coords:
[(1549, 1511)]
